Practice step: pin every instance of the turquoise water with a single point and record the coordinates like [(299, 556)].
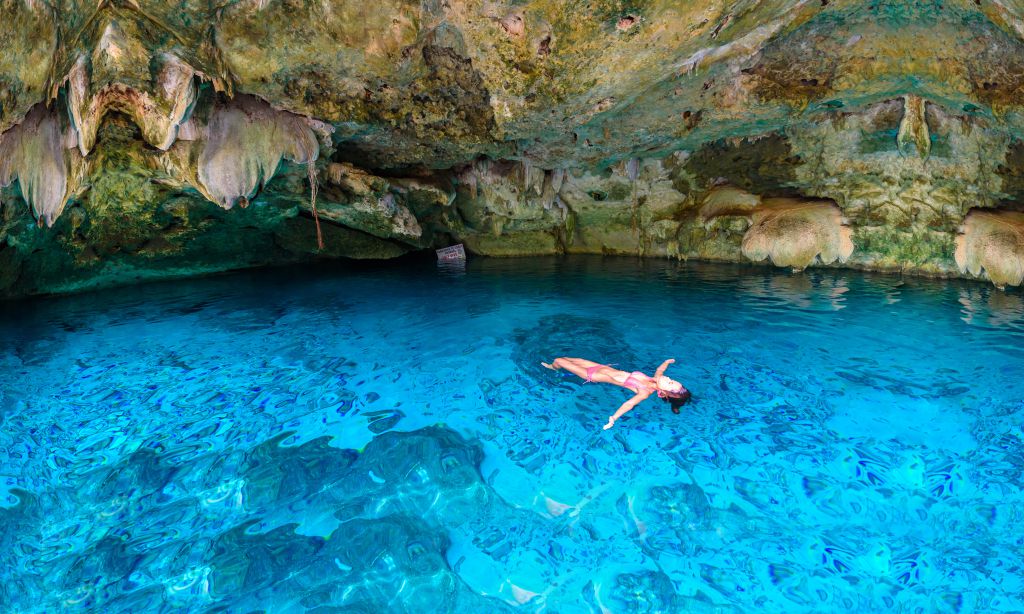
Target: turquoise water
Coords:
[(383, 439)]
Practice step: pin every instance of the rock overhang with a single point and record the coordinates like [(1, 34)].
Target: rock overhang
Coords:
[(517, 128)]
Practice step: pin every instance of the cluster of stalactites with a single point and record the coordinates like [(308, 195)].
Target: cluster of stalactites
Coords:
[(790, 232), (992, 242), (38, 154), (794, 233), (159, 113), (229, 154), (540, 188), (242, 145)]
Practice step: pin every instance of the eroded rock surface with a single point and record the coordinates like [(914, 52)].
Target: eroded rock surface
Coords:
[(346, 129), (993, 243), (790, 232)]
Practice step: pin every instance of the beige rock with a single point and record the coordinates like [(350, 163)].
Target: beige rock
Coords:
[(727, 200), (795, 233), (244, 143), (158, 112), (34, 152), (660, 128), (992, 243)]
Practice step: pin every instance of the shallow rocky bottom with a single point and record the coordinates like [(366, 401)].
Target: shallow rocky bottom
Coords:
[(383, 438)]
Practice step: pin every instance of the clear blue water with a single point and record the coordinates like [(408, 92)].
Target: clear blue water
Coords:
[(383, 439)]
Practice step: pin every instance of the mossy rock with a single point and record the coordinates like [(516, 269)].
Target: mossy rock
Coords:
[(298, 235)]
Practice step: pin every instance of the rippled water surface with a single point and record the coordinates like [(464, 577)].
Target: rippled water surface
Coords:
[(383, 439)]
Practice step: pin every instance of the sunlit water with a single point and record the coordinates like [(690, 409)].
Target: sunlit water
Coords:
[(383, 439)]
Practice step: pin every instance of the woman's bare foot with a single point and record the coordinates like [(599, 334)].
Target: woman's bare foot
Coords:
[(611, 423), (552, 367)]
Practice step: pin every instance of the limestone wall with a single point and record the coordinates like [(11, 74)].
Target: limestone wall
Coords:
[(142, 140)]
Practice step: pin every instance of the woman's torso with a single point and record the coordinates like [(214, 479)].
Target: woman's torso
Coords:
[(636, 381)]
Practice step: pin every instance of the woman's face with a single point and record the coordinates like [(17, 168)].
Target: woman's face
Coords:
[(669, 385)]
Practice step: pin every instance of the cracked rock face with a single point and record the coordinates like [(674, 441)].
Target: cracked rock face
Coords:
[(145, 139)]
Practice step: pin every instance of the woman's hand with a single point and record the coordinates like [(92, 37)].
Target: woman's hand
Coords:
[(661, 369), (626, 408)]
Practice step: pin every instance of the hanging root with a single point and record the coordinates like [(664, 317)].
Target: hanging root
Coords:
[(312, 201), (634, 211)]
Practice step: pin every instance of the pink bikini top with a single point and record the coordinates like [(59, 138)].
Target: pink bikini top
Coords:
[(632, 382)]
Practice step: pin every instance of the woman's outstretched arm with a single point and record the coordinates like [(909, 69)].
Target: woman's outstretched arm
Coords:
[(625, 408), (664, 366)]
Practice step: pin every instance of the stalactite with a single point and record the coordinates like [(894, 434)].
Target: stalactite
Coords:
[(793, 233), (33, 152), (526, 169), (633, 169), (992, 242), (159, 111), (633, 173), (245, 142), (557, 179), (913, 130)]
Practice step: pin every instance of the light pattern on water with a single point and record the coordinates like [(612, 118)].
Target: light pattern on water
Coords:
[(384, 439)]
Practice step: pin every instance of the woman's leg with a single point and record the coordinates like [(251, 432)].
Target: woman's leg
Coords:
[(580, 366), (564, 362)]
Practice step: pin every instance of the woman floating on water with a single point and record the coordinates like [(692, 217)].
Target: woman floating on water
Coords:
[(666, 387)]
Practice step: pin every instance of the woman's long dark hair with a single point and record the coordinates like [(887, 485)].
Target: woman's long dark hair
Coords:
[(678, 400)]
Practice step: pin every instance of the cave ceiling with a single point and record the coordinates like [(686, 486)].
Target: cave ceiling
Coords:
[(566, 83), (906, 114)]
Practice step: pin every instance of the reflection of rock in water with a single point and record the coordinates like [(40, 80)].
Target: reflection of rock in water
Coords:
[(803, 291), (570, 335), (998, 309)]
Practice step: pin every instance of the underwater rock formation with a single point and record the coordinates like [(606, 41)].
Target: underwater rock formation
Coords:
[(271, 521), (993, 242), (374, 130)]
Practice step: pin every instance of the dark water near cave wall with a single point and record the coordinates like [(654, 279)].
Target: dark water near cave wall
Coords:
[(383, 439)]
